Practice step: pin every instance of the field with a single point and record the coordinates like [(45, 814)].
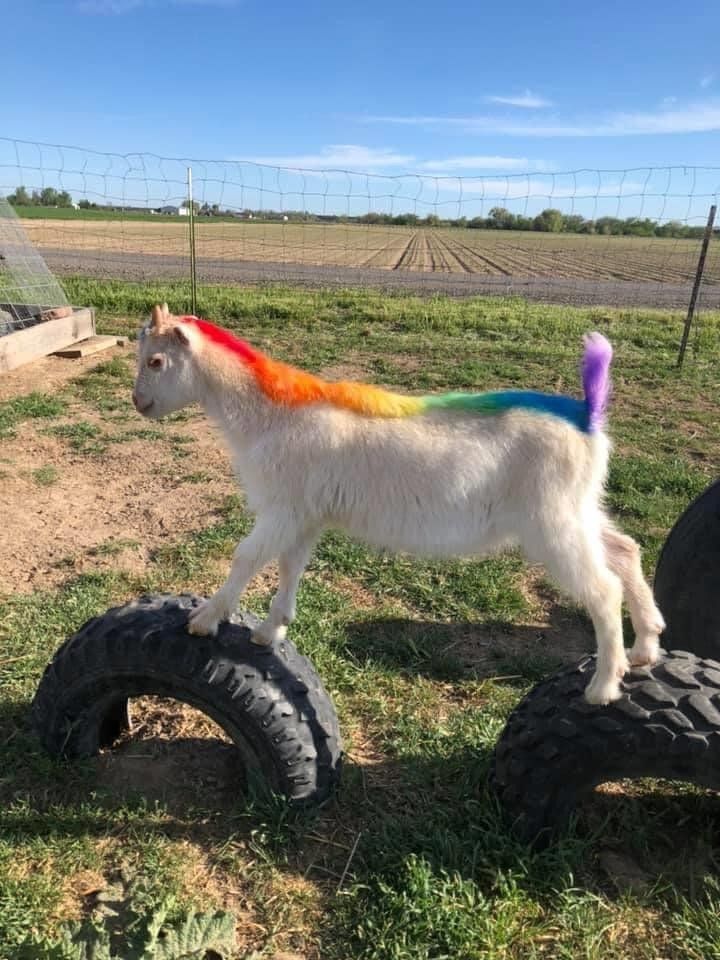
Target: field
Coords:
[(424, 660), (482, 253)]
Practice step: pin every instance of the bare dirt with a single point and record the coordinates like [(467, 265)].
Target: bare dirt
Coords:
[(104, 511)]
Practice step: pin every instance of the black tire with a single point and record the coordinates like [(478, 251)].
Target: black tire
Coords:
[(269, 700), (556, 747), (687, 579)]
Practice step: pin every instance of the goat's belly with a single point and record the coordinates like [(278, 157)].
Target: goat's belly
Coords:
[(471, 533)]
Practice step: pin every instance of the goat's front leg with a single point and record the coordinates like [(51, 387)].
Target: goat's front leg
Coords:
[(269, 538), (291, 566)]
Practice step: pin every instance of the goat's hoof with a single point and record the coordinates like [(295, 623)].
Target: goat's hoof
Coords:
[(204, 620), (600, 692), (645, 652), (266, 635), (260, 639)]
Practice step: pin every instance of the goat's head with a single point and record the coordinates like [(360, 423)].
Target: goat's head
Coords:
[(166, 377)]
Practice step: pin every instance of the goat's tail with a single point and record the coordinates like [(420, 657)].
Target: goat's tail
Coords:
[(596, 379)]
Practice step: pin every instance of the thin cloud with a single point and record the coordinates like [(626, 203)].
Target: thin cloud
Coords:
[(521, 188), (356, 159), (527, 101), (695, 118), (451, 164), (348, 156), (707, 80)]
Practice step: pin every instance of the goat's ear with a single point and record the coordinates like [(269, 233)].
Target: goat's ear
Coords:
[(181, 335), (165, 310), (157, 316)]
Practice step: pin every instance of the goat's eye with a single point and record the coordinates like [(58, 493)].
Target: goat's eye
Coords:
[(155, 362)]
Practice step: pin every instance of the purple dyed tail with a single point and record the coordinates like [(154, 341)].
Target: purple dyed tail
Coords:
[(596, 378)]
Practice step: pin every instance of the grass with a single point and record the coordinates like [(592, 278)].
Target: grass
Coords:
[(409, 651), (69, 213), (33, 406), (81, 436), (45, 476)]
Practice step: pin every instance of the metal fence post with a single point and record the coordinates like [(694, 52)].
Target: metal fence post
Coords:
[(191, 214), (696, 285)]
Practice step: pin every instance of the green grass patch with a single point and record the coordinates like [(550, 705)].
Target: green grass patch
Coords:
[(82, 437), (46, 476), (32, 406), (107, 387)]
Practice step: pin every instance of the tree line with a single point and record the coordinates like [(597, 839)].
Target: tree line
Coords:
[(547, 221), (499, 218), (47, 197)]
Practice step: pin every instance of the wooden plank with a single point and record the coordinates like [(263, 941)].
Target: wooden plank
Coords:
[(23, 346), (92, 345)]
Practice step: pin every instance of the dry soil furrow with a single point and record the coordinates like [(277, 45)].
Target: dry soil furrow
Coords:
[(482, 259), (408, 254)]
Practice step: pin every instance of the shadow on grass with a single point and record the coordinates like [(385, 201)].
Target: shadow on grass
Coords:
[(482, 650), (434, 807)]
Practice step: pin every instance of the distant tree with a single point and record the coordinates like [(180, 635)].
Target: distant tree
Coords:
[(635, 227), (431, 220), (500, 218), (21, 198), (549, 221), (573, 223), (406, 219), (609, 226), (49, 197)]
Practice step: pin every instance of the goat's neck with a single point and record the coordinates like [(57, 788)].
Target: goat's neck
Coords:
[(236, 404)]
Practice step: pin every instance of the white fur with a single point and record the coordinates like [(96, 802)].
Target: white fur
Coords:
[(442, 484)]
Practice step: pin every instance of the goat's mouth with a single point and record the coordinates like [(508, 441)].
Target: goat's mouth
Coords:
[(145, 409)]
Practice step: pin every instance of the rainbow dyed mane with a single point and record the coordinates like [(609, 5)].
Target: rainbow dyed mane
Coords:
[(292, 387)]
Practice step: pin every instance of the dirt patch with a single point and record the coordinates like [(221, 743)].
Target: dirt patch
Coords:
[(353, 372), (107, 511), (49, 374), (356, 593), (174, 754), (552, 632)]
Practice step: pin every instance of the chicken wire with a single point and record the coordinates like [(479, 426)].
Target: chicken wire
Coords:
[(27, 287)]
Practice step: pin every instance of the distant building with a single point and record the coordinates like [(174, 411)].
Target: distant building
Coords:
[(169, 210)]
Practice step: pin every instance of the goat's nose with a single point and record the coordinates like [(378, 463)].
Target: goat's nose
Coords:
[(134, 398)]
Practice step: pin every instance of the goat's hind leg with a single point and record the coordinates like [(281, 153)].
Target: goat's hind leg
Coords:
[(576, 560), (291, 566), (623, 558)]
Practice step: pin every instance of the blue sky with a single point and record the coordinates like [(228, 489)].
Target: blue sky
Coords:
[(466, 89)]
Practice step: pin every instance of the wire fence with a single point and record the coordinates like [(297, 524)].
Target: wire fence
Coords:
[(27, 287), (615, 237)]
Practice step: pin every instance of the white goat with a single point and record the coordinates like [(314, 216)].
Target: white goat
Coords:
[(457, 474)]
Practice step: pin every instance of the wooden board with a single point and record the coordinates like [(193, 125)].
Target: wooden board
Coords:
[(92, 345), (44, 338)]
